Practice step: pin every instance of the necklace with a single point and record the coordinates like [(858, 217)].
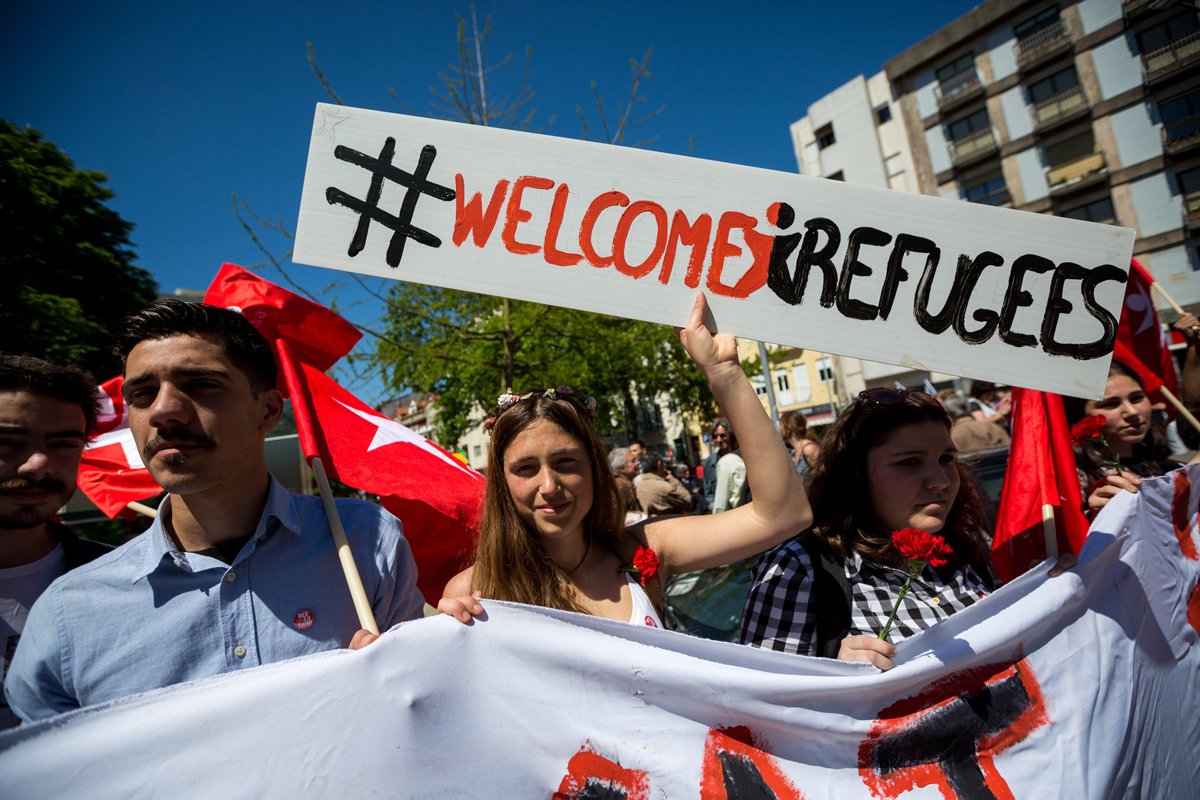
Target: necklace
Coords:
[(586, 550)]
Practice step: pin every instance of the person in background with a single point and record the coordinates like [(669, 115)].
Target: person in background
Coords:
[(731, 489), (659, 492), (47, 413), (793, 426), (637, 451), (721, 441), (624, 469), (987, 405), (1128, 434), (683, 474), (968, 433)]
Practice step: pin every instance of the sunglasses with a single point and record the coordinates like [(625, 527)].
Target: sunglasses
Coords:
[(894, 397)]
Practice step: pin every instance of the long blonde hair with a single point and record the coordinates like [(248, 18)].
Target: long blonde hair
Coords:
[(511, 562)]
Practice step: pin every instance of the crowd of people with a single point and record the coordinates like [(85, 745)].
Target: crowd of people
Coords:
[(236, 571)]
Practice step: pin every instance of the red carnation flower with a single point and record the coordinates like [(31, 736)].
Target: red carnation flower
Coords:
[(919, 545), (645, 564), (1087, 429)]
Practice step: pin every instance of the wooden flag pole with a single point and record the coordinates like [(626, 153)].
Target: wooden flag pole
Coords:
[(1050, 531), (142, 508), (366, 617), (1165, 295), (1183, 412)]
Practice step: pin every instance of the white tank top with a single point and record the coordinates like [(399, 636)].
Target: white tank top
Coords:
[(643, 609)]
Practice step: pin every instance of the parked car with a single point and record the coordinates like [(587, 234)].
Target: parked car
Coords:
[(709, 603)]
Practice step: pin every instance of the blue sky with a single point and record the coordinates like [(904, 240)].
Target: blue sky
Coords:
[(185, 104)]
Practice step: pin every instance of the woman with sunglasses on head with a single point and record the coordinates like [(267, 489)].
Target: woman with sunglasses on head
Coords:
[(553, 533), (1128, 447), (887, 463)]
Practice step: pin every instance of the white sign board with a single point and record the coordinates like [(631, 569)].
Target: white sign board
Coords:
[(924, 282), (1080, 686)]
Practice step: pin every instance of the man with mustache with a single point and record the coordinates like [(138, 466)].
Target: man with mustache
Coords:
[(46, 414), (236, 571)]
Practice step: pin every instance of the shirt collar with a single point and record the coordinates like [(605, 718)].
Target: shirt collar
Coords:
[(280, 507)]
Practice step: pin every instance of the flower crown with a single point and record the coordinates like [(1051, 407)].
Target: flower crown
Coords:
[(509, 399)]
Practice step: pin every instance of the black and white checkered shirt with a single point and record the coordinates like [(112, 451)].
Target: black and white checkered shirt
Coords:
[(779, 615)]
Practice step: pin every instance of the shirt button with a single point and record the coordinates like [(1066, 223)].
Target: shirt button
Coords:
[(230, 576), (936, 601), (240, 651)]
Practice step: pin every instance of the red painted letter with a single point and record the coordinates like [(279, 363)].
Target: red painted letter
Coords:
[(515, 215), (470, 218), (559, 258), (622, 234), (606, 200), (694, 235), (760, 248)]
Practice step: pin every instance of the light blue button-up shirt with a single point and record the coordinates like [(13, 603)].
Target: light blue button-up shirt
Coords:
[(148, 615)]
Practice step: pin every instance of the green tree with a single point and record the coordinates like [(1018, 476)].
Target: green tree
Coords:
[(66, 257)]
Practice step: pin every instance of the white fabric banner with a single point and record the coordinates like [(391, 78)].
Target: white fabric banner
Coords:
[(1081, 686)]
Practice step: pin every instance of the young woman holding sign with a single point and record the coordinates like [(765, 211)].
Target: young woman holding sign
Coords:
[(553, 530), (887, 465)]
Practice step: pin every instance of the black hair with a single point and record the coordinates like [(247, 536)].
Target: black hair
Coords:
[(67, 384), (242, 342)]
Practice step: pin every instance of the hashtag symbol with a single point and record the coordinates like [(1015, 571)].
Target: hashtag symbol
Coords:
[(368, 209)]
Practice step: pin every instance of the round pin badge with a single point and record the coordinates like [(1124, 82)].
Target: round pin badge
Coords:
[(303, 620), (650, 621)]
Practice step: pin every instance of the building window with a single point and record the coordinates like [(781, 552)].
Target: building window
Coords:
[(965, 126), (825, 137), (1161, 34), (883, 114), (477, 450), (759, 384), (824, 370), (964, 63), (1096, 211), (1180, 116), (1189, 187), (1031, 26), (989, 190), (1071, 150), (781, 382), (1056, 84)]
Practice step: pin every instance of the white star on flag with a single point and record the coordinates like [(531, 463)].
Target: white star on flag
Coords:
[(388, 431)]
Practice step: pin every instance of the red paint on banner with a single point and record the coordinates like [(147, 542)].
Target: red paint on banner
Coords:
[(755, 276), (622, 234), (948, 735), (737, 764), (693, 234), (1182, 514), (559, 258), (471, 218), (1193, 611), (588, 769), (515, 214), (595, 209)]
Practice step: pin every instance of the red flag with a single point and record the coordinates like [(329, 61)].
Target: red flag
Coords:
[(1141, 344), (1041, 471), (111, 472), (316, 335), (436, 496)]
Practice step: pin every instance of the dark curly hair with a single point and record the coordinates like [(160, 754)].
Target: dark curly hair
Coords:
[(844, 521)]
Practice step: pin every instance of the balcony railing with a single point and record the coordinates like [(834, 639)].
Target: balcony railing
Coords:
[(1165, 61), (1042, 43), (1077, 171), (972, 147), (957, 88), (1191, 210), (1183, 134), (1133, 8), (1060, 107)]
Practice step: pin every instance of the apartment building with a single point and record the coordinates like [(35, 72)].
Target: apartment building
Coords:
[(1086, 109)]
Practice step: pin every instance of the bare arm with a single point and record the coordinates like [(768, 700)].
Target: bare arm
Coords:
[(779, 508)]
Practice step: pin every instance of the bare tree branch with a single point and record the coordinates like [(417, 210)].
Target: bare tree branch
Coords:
[(312, 63)]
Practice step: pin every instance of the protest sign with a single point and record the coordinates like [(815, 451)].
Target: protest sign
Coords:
[(1081, 686), (906, 279)]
